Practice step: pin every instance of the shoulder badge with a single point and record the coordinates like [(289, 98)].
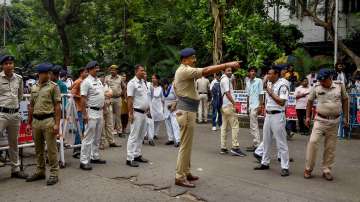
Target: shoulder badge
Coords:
[(18, 76)]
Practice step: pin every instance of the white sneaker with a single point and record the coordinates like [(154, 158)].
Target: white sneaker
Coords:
[(213, 128)]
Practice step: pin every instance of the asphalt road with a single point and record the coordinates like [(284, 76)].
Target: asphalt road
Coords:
[(222, 177)]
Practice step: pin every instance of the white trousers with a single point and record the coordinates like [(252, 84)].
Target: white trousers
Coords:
[(203, 108), (137, 132), (156, 127), (274, 126), (150, 129), (172, 128), (254, 126), (91, 141)]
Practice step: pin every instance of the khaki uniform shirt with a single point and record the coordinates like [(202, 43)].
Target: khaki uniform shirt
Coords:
[(11, 91), (329, 100), (116, 84), (44, 96), (202, 85), (184, 83)]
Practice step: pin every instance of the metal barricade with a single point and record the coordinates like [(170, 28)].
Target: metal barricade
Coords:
[(354, 116)]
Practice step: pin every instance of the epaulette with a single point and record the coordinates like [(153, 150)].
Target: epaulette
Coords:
[(19, 76), (53, 83)]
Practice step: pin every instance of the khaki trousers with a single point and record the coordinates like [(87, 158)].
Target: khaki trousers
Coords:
[(230, 120), (254, 126), (107, 131), (116, 110), (43, 132), (186, 122), (11, 123), (203, 108), (328, 129)]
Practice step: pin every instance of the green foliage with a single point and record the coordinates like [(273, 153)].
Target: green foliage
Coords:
[(147, 32), (305, 63)]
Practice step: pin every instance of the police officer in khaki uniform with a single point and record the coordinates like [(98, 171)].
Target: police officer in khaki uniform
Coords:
[(11, 91), (117, 86), (107, 131), (44, 117), (332, 100), (187, 105), (202, 87)]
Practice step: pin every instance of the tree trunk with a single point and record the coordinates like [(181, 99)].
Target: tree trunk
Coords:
[(328, 25), (65, 45), (218, 16)]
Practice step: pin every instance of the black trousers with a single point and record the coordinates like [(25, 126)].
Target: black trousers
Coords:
[(301, 115)]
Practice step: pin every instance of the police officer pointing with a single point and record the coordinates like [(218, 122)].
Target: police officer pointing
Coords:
[(332, 99), (187, 105), (11, 91)]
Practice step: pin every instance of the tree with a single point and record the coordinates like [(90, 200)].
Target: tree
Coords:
[(217, 10), (314, 10), (66, 16)]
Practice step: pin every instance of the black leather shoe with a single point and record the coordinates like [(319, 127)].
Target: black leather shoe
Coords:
[(140, 159), (290, 159), (98, 161), (114, 145), (169, 143), (284, 172), (35, 177), (262, 167), (177, 144), (19, 174), (258, 157), (85, 166), (132, 163), (52, 180), (155, 137), (152, 143)]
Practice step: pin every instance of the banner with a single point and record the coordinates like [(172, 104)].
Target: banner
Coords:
[(240, 102)]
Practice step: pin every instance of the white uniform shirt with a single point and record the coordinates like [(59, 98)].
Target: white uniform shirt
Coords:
[(281, 89), (226, 86), (93, 89), (301, 103), (139, 91)]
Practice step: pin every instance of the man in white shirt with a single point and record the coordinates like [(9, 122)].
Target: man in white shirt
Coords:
[(301, 94), (93, 98), (202, 87), (277, 93), (229, 117), (139, 108), (254, 89)]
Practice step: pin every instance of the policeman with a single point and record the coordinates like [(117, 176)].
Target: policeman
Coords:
[(44, 117), (187, 105), (117, 86), (107, 131), (11, 90), (139, 109), (203, 87), (277, 93), (93, 97), (332, 99)]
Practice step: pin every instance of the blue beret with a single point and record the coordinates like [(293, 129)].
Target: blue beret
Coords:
[(184, 53), (6, 58), (44, 67), (324, 74), (92, 64)]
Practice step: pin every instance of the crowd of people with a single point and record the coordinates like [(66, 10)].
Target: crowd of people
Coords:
[(107, 104)]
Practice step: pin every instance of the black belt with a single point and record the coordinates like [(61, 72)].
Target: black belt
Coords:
[(139, 110), (328, 117), (9, 110), (203, 93), (95, 108), (43, 116), (274, 112), (116, 96)]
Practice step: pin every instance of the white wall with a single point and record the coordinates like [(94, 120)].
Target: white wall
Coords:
[(311, 32)]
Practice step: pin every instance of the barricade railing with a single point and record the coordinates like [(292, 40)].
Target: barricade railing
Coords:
[(69, 125)]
